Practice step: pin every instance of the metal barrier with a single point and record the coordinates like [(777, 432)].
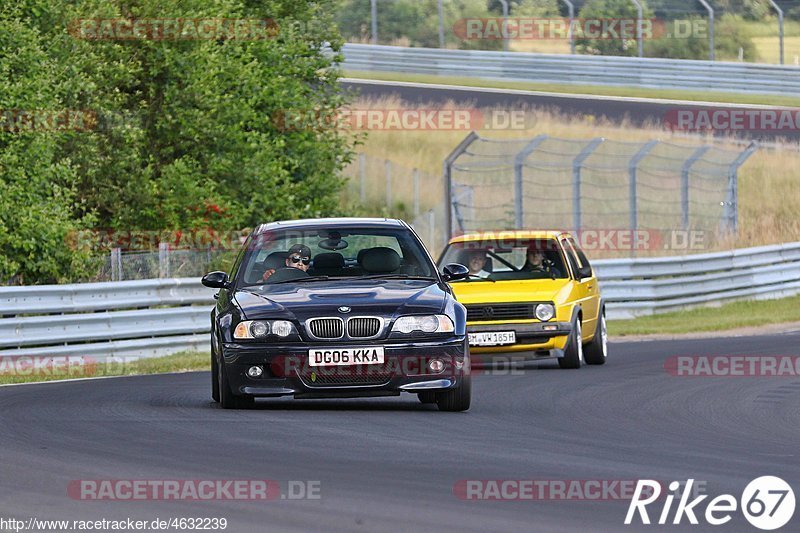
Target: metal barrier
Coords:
[(155, 317), (577, 69)]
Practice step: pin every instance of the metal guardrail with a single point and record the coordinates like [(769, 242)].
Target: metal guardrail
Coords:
[(155, 317), (577, 69)]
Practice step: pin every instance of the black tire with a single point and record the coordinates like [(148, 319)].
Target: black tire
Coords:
[(457, 399), (229, 400), (214, 372), (573, 352), (596, 351), (427, 397)]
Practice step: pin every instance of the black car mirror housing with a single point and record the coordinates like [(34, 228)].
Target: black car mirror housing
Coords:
[(455, 272), (216, 280)]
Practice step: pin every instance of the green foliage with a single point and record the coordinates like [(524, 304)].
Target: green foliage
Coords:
[(610, 9), (748, 9), (187, 135), (731, 33)]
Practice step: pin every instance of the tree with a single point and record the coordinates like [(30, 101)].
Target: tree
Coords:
[(609, 9)]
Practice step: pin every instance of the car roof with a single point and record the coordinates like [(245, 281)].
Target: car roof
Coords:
[(338, 222), (509, 235)]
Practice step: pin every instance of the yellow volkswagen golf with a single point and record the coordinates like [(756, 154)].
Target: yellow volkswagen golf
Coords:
[(531, 294)]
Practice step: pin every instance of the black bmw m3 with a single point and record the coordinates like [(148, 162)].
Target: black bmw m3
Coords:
[(338, 308)]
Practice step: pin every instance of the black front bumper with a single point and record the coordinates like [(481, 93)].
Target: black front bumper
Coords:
[(287, 372)]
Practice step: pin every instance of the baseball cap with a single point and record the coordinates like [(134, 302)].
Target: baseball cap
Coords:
[(301, 249)]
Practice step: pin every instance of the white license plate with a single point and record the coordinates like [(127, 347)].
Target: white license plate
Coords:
[(492, 338), (345, 356)]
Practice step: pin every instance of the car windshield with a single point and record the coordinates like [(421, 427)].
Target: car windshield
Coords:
[(517, 259), (291, 256)]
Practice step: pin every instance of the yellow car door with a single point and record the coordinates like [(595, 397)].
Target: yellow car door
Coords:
[(587, 290)]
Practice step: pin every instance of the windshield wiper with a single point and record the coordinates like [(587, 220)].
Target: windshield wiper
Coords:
[(294, 280), (397, 276)]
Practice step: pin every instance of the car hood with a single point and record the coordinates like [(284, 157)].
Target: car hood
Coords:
[(387, 298), (533, 290)]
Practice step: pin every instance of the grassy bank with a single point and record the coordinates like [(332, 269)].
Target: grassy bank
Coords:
[(22, 371), (726, 317)]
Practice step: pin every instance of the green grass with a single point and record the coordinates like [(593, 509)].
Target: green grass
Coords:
[(180, 362), (726, 317), (598, 90)]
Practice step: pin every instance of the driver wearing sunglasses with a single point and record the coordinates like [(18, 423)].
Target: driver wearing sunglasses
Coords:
[(299, 257)]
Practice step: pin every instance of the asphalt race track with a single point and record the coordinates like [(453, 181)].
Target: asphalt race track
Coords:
[(391, 464), (637, 111)]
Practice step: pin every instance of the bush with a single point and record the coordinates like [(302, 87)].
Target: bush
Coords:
[(730, 34), (610, 9)]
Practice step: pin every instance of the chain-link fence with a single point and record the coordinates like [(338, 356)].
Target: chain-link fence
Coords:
[(600, 184), (383, 187)]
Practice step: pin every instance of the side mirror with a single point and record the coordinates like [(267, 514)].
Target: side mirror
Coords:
[(454, 272), (216, 280), (585, 272)]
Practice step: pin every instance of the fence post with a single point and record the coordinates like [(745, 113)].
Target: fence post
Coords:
[(632, 193), (116, 264), (687, 167), (416, 192), (576, 180), (388, 169), (441, 25), (733, 187), (519, 160), (571, 8), (710, 29), (163, 260), (639, 15), (362, 175), (374, 16), (447, 172), (432, 227), (780, 25)]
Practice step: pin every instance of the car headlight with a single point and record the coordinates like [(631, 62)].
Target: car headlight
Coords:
[(424, 323), (282, 328), (545, 312), (259, 329)]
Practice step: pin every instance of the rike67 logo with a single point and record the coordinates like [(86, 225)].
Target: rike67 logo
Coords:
[(767, 503)]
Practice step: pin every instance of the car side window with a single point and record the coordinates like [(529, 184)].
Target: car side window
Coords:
[(571, 258), (584, 261)]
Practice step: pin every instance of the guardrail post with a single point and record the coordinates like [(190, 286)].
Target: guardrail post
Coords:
[(519, 161), (685, 169), (576, 180), (448, 180), (362, 175), (732, 205), (633, 195), (710, 10), (780, 25)]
